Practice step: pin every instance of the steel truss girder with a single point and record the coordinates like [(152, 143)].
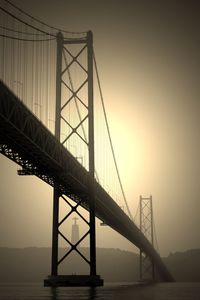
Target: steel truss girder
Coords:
[(26, 141)]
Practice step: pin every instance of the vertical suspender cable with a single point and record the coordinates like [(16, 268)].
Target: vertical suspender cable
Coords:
[(109, 135)]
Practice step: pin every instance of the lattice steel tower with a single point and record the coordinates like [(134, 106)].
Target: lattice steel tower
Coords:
[(147, 270), (75, 121)]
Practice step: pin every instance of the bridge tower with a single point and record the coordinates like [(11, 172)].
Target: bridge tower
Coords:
[(147, 270), (69, 92)]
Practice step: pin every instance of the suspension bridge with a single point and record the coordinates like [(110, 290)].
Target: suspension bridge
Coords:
[(51, 111)]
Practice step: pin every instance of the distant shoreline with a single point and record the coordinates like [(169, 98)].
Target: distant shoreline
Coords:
[(32, 264)]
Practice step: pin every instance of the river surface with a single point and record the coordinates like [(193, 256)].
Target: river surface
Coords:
[(118, 291)]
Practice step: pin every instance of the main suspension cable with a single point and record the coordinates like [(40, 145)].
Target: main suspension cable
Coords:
[(110, 139), (25, 23), (25, 40), (41, 22), (21, 32)]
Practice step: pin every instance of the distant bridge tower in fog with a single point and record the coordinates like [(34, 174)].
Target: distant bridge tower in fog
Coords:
[(75, 232), (147, 270)]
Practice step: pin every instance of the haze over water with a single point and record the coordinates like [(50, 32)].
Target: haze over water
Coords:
[(118, 291)]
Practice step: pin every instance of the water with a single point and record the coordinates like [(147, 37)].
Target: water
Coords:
[(118, 291)]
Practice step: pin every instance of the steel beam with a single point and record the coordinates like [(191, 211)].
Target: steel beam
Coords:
[(91, 155)]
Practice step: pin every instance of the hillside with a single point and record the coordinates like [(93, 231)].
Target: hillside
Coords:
[(33, 264), (114, 265), (185, 266)]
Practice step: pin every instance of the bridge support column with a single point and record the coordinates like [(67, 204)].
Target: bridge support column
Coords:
[(91, 156), (54, 257)]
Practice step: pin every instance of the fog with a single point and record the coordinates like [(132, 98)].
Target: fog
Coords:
[(148, 59)]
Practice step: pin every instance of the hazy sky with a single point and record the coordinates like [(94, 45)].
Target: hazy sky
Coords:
[(148, 58)]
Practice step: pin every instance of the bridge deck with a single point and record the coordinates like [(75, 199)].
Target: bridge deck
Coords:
[(25, 140)]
